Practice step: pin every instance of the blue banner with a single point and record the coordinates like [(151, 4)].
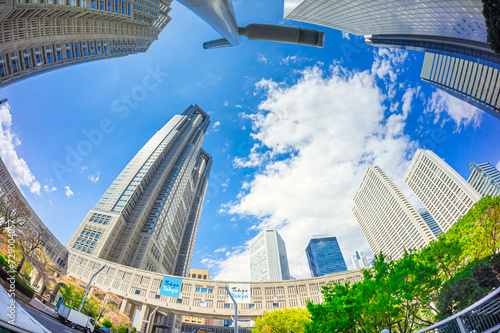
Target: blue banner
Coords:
[(171, 286)]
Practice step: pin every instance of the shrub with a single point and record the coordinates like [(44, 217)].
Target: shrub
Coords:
[(107, 323), (122, 329), (491, 12)]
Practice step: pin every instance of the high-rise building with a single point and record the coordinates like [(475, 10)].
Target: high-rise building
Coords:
[(388, 220), (40, 35), (440, 26), (324, 256), (431, 222), (472, 82), (359, 260), (485, 179), (268, 260), (149, 216), (54, 250), (445, 194)]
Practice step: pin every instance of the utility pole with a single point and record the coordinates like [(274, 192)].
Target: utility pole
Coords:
[(88, 287)]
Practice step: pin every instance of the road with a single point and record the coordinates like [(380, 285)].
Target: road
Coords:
[(49, 322)]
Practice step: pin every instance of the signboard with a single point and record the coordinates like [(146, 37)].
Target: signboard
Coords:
[(171, 286), (240, 292)]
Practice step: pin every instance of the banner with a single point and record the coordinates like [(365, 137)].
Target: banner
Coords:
[(240, 292), (171, 286)]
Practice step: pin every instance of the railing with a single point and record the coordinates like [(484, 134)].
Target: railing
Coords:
[(481, 317)]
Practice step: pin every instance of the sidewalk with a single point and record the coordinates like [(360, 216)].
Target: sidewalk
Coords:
[(42, 307)]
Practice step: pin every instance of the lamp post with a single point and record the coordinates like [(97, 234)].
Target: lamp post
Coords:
[(235, 311), (88, 287)]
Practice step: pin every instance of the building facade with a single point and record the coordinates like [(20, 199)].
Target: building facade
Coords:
[(359, 260), (54, 250), (199, 274), (268, 259), (388, 220), (445, 194), (485, 179), (324, 256), (149, 216), (472, 82), (430, 221), (37, 36)]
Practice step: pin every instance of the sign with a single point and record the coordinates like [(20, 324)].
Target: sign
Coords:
[(240, 292), (171, 286)]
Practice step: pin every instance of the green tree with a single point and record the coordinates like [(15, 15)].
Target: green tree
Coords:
[(107, 323), (491, 12), (282, 321)]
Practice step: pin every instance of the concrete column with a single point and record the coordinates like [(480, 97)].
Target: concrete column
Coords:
[(133, 309), (124, 306), (142, 323)]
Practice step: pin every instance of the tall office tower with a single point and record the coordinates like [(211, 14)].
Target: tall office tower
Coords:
[(149, 216), (485, 179), (440, 26), (324, 256), (54, 250), (40, 35), (388, 220), (268, 260), (445, 194), (359, 260), (431, 222), (474, 83)]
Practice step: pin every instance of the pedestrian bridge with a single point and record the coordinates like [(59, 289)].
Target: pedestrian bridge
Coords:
[(198, 298)]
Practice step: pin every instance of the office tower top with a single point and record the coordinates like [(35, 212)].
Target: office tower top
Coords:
[(472, 82), (41, 35), (445, 194), (359, 260), (324, 256), (431, 222), (268, 259), (388, 220), (448, 18), (149, 216), (485, 179)]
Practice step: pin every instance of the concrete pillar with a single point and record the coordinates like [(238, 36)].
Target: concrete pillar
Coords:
[(124, 306), (133, 309), (142, 323)]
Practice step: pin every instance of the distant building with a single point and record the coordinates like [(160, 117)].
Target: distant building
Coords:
[(200, 274), (445, 194), (431, 222), (485, 179), (386, 217), (470, 81), (268, 259), (359, 260), (324, 256)]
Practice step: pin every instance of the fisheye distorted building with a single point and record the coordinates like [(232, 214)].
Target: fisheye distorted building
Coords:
[(387, 219), (445, 194), (359, 260), (431, 222), (324, 256), (40, 35), (485, 179), (149, 216), (268, 259)]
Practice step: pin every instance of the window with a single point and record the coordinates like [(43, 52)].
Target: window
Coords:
[(137, 292), (276, 305), (227, 306), (198, 290), (179, 301), (204, 290), (251, 306)]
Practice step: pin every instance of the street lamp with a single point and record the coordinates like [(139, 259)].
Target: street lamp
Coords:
[(220, 15), (88, 287)]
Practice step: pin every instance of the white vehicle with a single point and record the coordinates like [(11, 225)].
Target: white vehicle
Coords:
[(75, 319)]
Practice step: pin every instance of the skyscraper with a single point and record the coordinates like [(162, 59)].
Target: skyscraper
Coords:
[(149, 216), (485, 179), (40, 35), (472, 82), (324, 256), (268, 260), (359, 260), (441, 26), (388, 220), (445, 194), (430, 221)]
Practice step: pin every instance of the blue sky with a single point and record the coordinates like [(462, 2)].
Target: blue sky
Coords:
[(293, 130)]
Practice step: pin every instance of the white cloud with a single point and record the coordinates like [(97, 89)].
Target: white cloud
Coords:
[(462, 113), (226, 103), (68, 191), (17, 167), (346, 35), (94, 178), (83, 168), (216, 126), (262, 58), (313, 162), (288, 59), (222, 249), (49, 189), (498, 165), (388, 63)]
